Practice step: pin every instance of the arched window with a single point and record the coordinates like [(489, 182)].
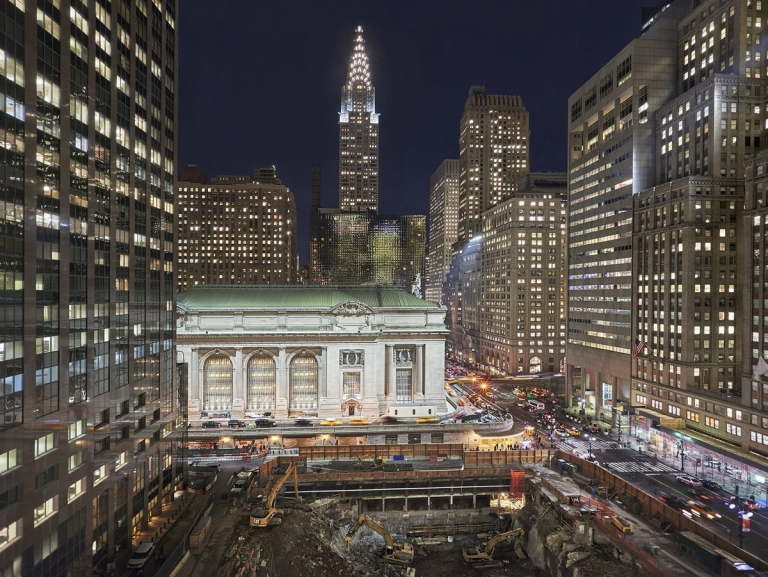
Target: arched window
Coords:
[(302, 395), (217, 383), (262, 382), (535, 365)]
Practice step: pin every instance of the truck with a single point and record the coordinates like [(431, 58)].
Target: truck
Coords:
[(397, 553), (378, 462)]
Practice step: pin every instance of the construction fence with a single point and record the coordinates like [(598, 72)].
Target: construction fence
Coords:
[(652, 508)]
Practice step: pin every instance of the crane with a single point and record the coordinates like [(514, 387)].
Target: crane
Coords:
[(378, 462), (401, 553), (267, 516), (485, 552)]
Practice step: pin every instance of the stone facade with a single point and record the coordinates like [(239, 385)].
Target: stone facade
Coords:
[(321, 351)]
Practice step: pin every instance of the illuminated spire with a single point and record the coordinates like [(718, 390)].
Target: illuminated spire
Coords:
[(359, 72)]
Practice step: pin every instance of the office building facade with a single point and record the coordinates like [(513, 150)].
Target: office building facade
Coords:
[(88, 443), (522, 310), (443, 226), (237, 230), (358, 135), (493, 153), (611, 157), (358, 248)]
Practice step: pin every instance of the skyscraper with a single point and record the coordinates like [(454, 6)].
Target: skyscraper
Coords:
[(88, 448), (493, 154), (358, 135), (522, 318), (443, 226), (611, 157), (363, 248), (237, 230)]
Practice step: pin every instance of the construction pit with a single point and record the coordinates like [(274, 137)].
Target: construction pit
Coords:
[(439, 524)]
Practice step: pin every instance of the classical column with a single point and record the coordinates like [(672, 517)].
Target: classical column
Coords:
[(238, 403), (195, 393), (417, 364), (322, 374), (281, 403)]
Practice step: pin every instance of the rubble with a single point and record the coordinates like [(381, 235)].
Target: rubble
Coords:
[(311, 541)]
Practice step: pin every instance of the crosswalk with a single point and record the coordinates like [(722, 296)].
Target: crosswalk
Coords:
[(641, 467)]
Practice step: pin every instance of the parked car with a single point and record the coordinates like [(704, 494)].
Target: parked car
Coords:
[(211, 425), (711, 485), (141, 556), (688, 480), (207, 464), (236, 424)]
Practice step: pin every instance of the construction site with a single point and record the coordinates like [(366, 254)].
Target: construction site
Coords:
[(500, 513)]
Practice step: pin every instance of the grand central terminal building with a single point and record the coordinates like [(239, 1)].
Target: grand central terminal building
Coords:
[(325, 351)]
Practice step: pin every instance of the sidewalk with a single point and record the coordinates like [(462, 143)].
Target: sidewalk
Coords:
[(166, 530)]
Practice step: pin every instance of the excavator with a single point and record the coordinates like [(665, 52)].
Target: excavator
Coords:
[(400, 553), (269, 516), (378, 462), (484, 553)]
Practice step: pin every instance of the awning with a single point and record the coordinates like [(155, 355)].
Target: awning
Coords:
[(664, 421)]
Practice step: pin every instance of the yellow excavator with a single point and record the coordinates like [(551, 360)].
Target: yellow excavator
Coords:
[(400, 553), (268, 516), (484, 552), (378, 462)]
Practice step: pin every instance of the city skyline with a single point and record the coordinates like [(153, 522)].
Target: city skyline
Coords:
[(422, 66)]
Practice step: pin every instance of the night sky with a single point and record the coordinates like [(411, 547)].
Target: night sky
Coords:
[(260, 82)]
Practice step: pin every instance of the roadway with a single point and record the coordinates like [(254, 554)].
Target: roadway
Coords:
[(655, 475)]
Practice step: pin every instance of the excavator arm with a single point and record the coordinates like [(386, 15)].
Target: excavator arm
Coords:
[(373, 525), (493, 541), (400, 553), (291, 470)]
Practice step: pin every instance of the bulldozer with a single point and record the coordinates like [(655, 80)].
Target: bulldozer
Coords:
[(269, 515), (483, 554), (378, 462), (399, 553)]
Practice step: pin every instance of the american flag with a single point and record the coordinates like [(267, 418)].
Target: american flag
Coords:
[(639, 346)]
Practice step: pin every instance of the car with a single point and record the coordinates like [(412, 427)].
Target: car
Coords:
[(711, 485), (207, 464), (674, 502), (701, 510), (302, 423), (236, 424), (264, 423), (573, 432), (562, 434), (239, 486), (519, 404), (420, 420), (330, 422), (744, 503), (700, 494), (688, 480), (387, 420), (142, 554), (211, 425), (359, 421)]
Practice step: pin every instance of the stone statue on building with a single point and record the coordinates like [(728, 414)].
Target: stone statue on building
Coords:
[(416, 286)]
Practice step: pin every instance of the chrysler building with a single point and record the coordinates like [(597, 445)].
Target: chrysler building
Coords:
[(358, 135)]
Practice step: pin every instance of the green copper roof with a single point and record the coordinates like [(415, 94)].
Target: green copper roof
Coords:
[(207, 297)]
